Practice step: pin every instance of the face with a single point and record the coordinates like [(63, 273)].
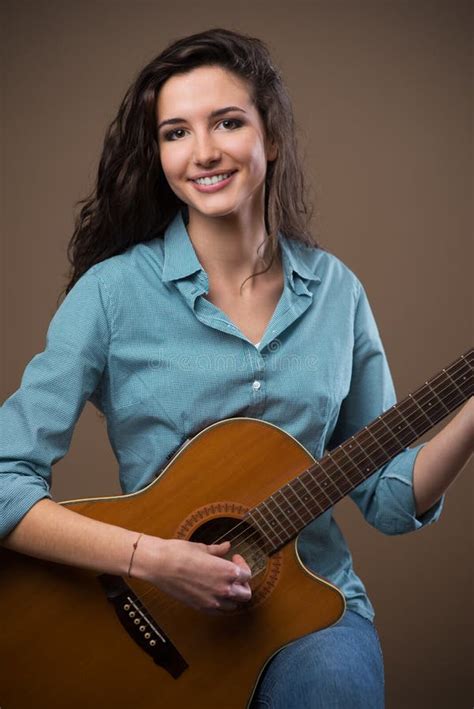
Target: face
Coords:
[(198, 135)]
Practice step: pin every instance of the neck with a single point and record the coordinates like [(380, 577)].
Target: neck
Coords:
[(281, 517), (228, 246)]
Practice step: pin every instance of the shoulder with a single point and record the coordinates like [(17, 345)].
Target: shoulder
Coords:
[(124, 273)]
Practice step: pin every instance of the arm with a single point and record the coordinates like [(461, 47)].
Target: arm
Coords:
[(37, 424), (193, 573), (442, 458), (395, 499)]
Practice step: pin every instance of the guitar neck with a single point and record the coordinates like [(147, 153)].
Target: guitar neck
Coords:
[(287, 511)]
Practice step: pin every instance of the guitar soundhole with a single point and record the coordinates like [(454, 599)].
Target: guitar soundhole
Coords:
[(244, 539), (225, 521)]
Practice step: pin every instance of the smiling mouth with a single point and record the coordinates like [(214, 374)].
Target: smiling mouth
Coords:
[(207, 181)]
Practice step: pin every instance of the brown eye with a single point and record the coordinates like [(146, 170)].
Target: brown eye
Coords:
[(171, 133), (234, 121)]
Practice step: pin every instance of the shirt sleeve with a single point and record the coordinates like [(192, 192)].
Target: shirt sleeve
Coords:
[(37, 421), (386, 498)]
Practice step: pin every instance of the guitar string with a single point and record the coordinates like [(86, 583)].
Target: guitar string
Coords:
[(152, 590), (353, 460), (153, 593), (337, 480), (256, 536)]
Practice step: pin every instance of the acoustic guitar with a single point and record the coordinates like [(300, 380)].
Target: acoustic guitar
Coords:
[(73, 639)]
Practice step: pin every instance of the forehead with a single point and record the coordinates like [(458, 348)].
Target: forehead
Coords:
[(200, 91)]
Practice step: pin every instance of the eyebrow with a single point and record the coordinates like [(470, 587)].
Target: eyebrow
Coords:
[(213, 114)]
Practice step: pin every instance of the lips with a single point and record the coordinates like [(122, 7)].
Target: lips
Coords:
[(221, 184), (213, 174)]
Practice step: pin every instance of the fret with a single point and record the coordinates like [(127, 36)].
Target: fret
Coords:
[(273, 521), (334, 453), (384, 452), (466, 363), (364, 441), (333, 458), (367, 468), (350, 459), (270, 501), (394, 438), (263, 540), (304, 496), (397, 407), (439, 382), (285, 512), (401, 428), (455, 399), (449, 398), (460, 390), (272, 532), (350, 444), (423, 413), (300, 478), (321, 486), (315, 490), (461, 366), (324, 484), (436, 395), (289, 488)]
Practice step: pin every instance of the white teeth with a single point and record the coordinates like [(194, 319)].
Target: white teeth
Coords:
[(212, 180)]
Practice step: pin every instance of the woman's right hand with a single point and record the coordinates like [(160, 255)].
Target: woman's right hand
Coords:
[(194, 573)]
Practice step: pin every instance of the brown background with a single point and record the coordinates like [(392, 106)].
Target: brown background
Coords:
[(382, 94)]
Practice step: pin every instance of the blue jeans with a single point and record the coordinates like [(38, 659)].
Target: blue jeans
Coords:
[(340, 667)]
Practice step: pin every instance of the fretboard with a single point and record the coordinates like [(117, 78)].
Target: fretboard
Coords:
[(287, 511)]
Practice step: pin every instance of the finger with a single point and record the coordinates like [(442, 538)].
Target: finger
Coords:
[(223, 605), (218, 549), (240, 561), (240, 593), (243, 572)]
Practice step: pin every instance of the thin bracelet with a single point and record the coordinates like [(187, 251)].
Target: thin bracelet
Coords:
[(133, 554)]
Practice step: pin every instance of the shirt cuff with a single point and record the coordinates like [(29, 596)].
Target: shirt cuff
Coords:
[(399, 510), (19, 501)]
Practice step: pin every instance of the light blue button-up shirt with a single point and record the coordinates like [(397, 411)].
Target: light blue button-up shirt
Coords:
[(137, 338)]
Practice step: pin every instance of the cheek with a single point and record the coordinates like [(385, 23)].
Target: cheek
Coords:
[(172, 161), (258, 160)]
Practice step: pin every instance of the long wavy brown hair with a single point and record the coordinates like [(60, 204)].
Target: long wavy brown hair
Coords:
[(131, 201)]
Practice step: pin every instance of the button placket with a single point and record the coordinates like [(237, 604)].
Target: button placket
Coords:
[(256, 381)]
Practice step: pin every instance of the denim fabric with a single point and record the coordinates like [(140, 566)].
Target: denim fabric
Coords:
[(137, 337), (340, 667)]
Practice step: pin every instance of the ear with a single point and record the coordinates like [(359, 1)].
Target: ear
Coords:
[(272, 150)]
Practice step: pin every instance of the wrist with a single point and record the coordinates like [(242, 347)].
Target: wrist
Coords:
[(147, 562), (132, 555)]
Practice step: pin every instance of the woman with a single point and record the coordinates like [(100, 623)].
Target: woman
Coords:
[(197, 293)]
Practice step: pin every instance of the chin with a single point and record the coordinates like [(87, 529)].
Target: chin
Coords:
[(212, 211)]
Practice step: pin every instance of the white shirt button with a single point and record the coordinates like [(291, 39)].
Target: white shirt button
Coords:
[(256, 385)]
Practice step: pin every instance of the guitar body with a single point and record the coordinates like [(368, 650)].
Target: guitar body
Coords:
[(61, 641)]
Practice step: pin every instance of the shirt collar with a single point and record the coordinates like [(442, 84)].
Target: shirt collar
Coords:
[(180, 258), (298, 259), (181, 261)]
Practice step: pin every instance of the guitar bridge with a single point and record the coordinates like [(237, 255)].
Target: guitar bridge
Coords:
[(141, 626)]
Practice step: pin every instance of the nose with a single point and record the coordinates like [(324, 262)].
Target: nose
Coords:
[(206, 151)]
